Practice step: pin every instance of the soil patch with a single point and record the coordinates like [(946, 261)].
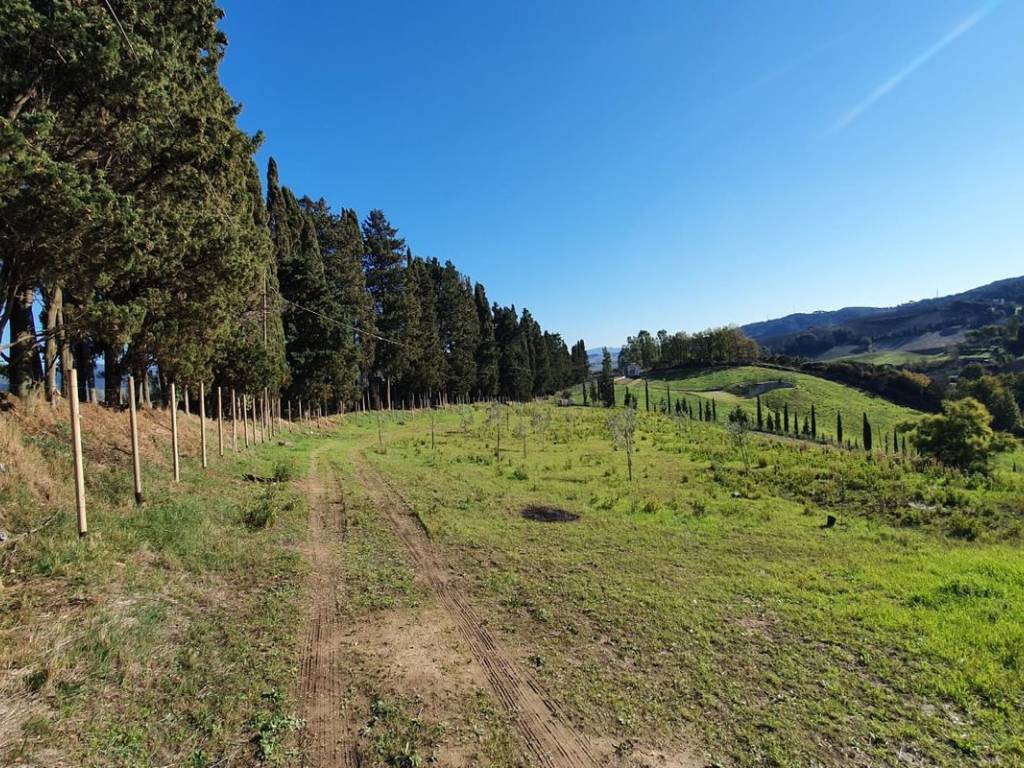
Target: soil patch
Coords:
[(549, 514)]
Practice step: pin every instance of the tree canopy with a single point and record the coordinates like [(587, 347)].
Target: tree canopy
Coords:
[(134, 227)]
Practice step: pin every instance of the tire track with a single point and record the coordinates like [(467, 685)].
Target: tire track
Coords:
[(545, 730), (326, 740)]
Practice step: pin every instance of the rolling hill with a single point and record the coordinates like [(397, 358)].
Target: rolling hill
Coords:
[(920, 327)]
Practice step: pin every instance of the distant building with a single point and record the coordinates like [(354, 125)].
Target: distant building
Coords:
[(633, 370)]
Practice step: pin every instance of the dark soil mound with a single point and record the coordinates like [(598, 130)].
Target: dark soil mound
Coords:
[(549, 515)]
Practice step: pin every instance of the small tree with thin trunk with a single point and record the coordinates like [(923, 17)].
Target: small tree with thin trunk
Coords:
[(738, 426), (622, 427), (494, 420), (540, 421), (466, 419), (521, 431)]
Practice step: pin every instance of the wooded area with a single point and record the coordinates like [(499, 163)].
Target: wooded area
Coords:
[(134, 228)]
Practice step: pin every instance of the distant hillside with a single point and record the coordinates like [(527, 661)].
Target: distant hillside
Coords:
[(929, 325)]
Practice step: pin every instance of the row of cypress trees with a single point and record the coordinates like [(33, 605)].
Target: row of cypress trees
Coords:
[(367, 320), (134, 227)]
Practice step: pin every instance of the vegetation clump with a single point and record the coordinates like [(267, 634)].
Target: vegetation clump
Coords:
[(961, 436)]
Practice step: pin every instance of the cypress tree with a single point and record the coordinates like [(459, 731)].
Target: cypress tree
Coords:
[(785, 417), (866, 433), (839, 428), (487, 348), (760, 416), (459, 329), (814, 423), (580, 362), (607, 383), (714, 410), (384, 258)]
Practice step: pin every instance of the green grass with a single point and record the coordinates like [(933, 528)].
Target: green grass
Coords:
[(169, 635), (707, 601), (828, 397), (703, 604), (896, 357)]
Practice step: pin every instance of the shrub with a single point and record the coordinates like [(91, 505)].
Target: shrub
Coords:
[(283, 471), (261, 511)]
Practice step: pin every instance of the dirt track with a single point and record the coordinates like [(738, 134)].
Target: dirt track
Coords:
[(546, 733), (328, 736)]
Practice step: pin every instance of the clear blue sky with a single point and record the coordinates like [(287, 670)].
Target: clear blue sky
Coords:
[(615, 166)]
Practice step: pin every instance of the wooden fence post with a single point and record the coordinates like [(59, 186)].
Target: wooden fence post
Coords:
[(220, 423), (133, 422), (245, 418), (174, 435), (76, 450), (202, 421), (234, 421), (185, 393)]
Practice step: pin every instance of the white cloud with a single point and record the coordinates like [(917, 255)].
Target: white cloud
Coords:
[(919, 61)]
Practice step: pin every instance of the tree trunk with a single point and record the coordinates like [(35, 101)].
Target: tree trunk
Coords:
[(24, 355), (84, 366), (53, 305), (65, 352), (111, 376)]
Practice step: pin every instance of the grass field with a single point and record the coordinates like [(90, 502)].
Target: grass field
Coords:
[(702, 609), (168, 636), (729, 387), (707, 603), (896, 357)]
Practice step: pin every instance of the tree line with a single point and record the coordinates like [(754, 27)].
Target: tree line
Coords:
[(134, 227), (727, 344)]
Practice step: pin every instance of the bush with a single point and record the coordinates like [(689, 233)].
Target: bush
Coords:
[(261, 511), (961, 436), (283, 471), (962, 526)]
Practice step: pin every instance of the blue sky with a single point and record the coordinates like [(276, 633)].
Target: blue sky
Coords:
[(616, 166)]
